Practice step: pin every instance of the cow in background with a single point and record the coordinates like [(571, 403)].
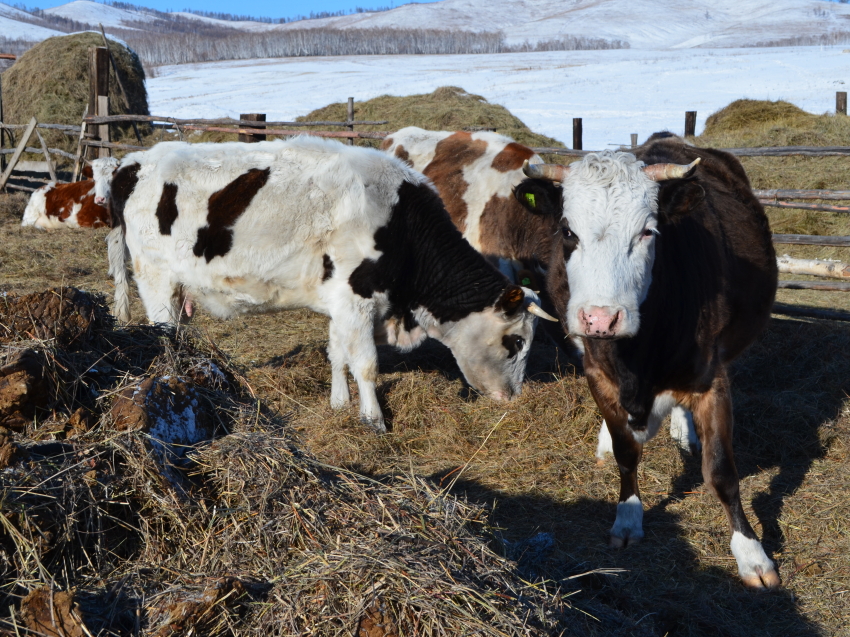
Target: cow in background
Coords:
[(345, 231), (671, 273), (80, 204)]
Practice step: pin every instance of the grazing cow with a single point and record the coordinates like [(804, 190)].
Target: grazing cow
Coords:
[(345, 231), (475, 174), (671, 273), (76, 205)]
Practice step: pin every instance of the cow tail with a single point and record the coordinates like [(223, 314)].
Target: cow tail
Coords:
[(119, 257)]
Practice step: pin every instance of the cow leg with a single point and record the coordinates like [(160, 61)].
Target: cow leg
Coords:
[(713, 414), (628, 527), (160, 296), (340, 395), (354, 326), (683, 431)]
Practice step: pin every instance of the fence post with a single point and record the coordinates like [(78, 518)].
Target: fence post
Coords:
[(98, 87), (634, 140), (577, 133), (2, 131), (250, 138), (690, 123), (351, 119), (841, 102)]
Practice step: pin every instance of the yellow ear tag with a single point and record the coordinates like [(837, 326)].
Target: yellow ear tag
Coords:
[(529, 197)]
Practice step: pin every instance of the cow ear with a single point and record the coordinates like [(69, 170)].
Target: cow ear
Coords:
[(678, 198), (87, 172), (511, 299), (539, 196)]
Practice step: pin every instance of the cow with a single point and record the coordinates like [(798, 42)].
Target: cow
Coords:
[(668, 273), (475, 174), (79, 204), (345, 231)]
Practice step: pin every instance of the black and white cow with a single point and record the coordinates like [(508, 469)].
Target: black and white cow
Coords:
[(667, 272), (345, 231)]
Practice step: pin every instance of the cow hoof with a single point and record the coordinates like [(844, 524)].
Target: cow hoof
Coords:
[(762, 580), (617, 542), (377, 424)]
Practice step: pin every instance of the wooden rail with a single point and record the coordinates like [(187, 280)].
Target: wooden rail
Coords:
[(825, 286), (812, 240), (113, 119), (274, 131), (30, 149), (778, 151), (837, 195), (772, 203)]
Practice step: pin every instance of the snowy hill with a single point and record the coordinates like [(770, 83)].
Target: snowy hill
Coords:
[(644, 24)]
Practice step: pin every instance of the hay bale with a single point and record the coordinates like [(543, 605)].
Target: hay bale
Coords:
[(743, 115), (51, 82), (69, 315), (447, 108)]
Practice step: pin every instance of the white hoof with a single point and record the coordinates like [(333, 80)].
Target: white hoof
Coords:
[(754, 566), (374, 423), (605, 445), (628, 527)]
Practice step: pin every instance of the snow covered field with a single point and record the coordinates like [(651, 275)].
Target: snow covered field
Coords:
[(615, 92)]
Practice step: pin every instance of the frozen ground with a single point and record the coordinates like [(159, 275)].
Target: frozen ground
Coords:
[(615, 92)]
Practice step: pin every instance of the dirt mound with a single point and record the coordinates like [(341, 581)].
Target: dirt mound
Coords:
[(447, 108), (742, 115), (67, 314), (51, 82)]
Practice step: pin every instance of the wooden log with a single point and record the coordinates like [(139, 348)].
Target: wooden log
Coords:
[(116, 146), (825, 286), (120, 83), (810, 312), (47, 158), (18, 152), (838, 195), (32, 149), (62, 127), (335, 134), (78, 160), (813, 267), (112, 119), (568, 152), (252, 117), (821, 207), (17, 187), (784, 151), (690, 123), (577, 133), (841, 103), (812, 240), (8, 56)]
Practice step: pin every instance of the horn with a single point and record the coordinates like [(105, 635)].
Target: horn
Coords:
[(660, 172), (552, 172), (538, 311)]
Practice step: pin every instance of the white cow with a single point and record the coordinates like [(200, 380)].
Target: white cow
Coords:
[(345, 231)]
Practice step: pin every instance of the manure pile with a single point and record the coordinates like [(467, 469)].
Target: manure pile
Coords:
[(146, 491)]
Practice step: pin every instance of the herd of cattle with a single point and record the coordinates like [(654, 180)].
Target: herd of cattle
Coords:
[(658, 264)]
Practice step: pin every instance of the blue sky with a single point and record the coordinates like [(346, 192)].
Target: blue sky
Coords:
[(258, 8)]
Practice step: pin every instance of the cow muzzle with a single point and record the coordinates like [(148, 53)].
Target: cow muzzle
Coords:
[(601, 322)]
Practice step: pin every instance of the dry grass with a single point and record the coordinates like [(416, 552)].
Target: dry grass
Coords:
[(532, 463)]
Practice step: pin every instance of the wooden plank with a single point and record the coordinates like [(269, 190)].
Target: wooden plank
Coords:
[(810, 312), (47, 158), (269, 131), (828, 195), (17, 187), (820, 207), (32, 149), (569, 152), (103, 129), (812, 240), (112, 119), (253, 117), (826, 286), (64, 127), (18, 152), (784, 151)]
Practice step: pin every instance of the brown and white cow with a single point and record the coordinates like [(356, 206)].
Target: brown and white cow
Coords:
[(475, 174), (670, 271), (81, 204), (346, 231)]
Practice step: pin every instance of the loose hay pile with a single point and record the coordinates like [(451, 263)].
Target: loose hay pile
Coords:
[(447, 108), (152, 494), (51, 82)]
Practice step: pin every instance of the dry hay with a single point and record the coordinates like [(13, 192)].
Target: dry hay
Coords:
[(447, 108), (152, 494), (51, 82)]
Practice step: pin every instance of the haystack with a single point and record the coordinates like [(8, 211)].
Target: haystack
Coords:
[(447, 108), (51, 82), (743, 115)]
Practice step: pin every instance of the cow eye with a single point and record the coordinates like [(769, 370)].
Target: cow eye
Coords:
[(569, 235), (649, 232), (513, 344)]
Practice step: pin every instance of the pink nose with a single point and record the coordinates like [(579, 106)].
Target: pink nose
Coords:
[(600, 322), (100, 200)]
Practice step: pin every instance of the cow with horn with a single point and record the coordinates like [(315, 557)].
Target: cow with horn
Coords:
[(666, 272)]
